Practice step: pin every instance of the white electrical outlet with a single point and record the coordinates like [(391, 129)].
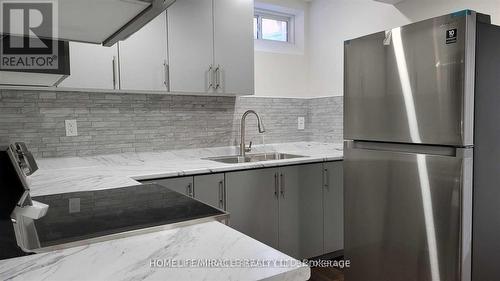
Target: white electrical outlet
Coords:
[(71, 128), (301, 123), (74, 205)]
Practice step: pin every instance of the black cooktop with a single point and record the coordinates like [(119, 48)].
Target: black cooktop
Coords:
[(83, 215)]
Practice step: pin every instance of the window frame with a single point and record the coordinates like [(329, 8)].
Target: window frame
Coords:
[(259, 14)]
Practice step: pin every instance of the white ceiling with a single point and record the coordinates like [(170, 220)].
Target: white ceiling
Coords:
[(392, 2)]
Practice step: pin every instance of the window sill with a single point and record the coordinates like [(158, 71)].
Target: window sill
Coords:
[(271, 46)]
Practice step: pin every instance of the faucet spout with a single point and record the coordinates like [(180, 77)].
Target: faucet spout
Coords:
[(260, 126)]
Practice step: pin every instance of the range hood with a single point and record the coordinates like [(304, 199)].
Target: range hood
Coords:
[(102, 21), (30, 75), (91, 21)]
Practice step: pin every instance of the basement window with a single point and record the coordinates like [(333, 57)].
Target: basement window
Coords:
[(273, 26)]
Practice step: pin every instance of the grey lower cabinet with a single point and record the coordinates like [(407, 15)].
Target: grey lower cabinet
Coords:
[(182, 185), (210, 189), (301, 211), (296, 209), (281, 207), (333, 205), (252, 203)]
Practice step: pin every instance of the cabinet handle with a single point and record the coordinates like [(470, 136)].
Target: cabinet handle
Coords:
[(326, 179), (210, 77), (217, 77), (114, 72), (276, 185), (221, 194), (166, 70), (282, 183), (189, 190)]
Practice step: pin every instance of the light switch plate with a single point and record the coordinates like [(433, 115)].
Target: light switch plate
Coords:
[(74, 205), (301, 123), (71, 128)]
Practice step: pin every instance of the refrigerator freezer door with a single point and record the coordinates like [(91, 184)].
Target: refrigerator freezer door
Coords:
[(413, 84), (404, 215)]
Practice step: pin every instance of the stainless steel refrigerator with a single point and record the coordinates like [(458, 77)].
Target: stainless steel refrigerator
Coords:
[(422, 151)]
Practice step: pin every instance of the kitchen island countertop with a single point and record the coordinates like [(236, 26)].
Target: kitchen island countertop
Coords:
[(175, 254)]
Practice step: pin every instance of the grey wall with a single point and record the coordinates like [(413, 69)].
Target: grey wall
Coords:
[(116, 123)]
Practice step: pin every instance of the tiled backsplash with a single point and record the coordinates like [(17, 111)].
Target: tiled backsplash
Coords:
[(116, 123), (325, 119)]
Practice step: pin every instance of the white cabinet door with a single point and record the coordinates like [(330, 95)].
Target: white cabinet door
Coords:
[(190, 47), (143, 57), (92, 66), (233, 41)]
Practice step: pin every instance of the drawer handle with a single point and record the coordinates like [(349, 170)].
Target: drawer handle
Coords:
[(114, 72), (210, 77), (276, 185), (166, 71), (221, 194), (282, 183), (326, 179), (189, 190), (217, 77)]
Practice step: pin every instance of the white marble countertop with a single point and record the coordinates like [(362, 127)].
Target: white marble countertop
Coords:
[(131, 258), (61, 175)]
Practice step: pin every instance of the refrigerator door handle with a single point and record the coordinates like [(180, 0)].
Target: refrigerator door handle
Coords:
[(461, 152)]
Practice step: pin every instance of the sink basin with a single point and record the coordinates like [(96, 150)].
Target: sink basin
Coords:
[(254, 157)]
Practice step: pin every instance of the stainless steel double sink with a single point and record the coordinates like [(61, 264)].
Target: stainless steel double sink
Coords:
[(257, 157)]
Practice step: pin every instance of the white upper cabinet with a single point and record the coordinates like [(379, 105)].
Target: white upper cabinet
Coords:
[(190, 49), (92, 67), (143, 58), (211, 46), (196, 46), (234, 51)]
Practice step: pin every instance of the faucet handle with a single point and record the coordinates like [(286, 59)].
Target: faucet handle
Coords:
[(249, 148)]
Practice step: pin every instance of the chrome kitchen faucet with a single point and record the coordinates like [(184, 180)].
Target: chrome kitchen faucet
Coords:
[(243, 148)]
